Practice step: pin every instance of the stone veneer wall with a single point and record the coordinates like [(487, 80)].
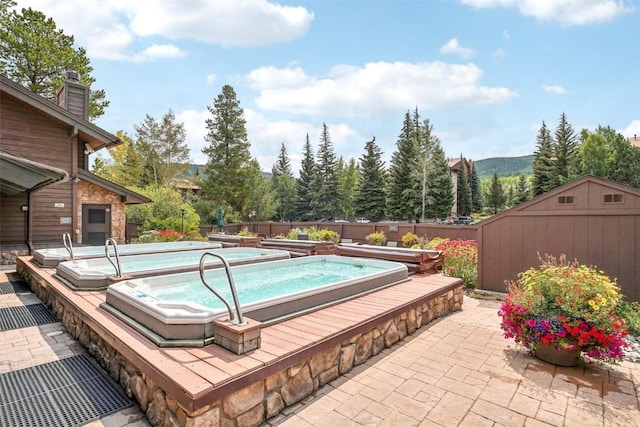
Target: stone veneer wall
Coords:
[(263, 399), (92, 194)]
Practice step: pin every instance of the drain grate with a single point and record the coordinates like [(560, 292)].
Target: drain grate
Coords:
[(67, 392), (24, 316), (13, 287)]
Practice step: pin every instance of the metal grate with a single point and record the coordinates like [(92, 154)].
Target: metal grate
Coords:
[(67, 392), (24, 316), (13, 287)]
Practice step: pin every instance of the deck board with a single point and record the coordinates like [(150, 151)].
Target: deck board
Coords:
[(192, 375)]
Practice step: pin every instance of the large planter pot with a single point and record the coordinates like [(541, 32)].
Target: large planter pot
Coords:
[(557, 356)]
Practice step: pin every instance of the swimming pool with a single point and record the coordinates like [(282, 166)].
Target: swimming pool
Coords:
[(93, 273), (52, 257), (179, 308)]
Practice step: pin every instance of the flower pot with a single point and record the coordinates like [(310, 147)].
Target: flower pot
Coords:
[(557, 356)]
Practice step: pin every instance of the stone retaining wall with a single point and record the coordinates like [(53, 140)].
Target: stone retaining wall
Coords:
[(263, 399)]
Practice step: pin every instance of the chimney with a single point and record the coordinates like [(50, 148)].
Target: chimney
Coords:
[(73, 96)]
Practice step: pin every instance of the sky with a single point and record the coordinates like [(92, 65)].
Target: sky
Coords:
[(486, 73)]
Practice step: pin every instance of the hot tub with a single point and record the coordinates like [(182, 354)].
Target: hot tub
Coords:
[(94, 273), (178, 309), (52, 257)]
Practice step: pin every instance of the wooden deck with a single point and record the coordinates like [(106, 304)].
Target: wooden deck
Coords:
[(197, 377)]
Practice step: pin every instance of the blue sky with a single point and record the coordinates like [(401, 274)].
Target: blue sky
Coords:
[(486, 73)]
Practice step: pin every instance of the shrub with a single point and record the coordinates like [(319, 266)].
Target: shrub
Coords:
[(155, 236), (567, 305), (409, 240), (630, 312), (244, 232), (376, 238), (435, 242), (460, 260)]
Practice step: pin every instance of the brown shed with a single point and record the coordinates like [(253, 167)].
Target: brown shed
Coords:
[(593, 220), (46, 188)]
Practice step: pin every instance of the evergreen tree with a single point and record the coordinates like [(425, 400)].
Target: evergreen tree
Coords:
[(401, 194), (162, 149), (348, 177), (261, 204), (522, 190), (283, 184), (305, 183), (371, 198), (325, 202), (543, 172), (228, 157), (495, 197), (564, 149), (476, 191), (464, 204), (36, 54), (440, 191)]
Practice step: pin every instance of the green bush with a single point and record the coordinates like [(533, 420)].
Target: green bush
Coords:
[(630, 312), (376, 238), (409, 240), (165, 212)]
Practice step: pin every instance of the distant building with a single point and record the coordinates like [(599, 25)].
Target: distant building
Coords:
[(634, 140)]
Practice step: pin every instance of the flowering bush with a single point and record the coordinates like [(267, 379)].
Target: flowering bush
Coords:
[(567, 305), (410, 239), (376, 238), (154, 236), (460, 260)]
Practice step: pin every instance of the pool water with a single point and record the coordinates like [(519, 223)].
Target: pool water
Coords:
[(253, 286)]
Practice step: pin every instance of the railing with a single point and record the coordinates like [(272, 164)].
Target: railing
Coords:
[(66, 241), (232, 285), (116, 264)]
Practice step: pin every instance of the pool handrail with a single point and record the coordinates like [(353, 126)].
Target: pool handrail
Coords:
[(232, 285), (66, 241), (116, 265)]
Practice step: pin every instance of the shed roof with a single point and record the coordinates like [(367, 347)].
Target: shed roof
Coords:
[(128, 196), (563, 189), (18, 174)]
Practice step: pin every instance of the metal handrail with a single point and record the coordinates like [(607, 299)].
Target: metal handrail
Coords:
[(232, 285), (66, 241), (116, 265)]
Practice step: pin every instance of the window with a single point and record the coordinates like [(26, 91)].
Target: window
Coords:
[(613, 198), (566, 200)]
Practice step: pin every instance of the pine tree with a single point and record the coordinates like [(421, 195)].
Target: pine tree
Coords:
[(325, 202), (228, 157), (371, 198), (305, 183), (496, 197), (543, 171), (522, 190), (464, 203), (401, 194), (283, 184), (440, 192), (36, 54), (261, 204), (476, 191), (564, 150)]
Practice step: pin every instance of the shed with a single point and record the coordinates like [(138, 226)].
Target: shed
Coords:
[(593, 220)]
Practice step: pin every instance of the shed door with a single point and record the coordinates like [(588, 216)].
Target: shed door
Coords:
[(96, 224)]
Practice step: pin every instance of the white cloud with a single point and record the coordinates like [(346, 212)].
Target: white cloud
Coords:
[(454, 47), (555, 89), (500, 53), (632, 129), (211, 78), (194, 124), (108, 29), (373, 89), (565, 12), (156, 51)]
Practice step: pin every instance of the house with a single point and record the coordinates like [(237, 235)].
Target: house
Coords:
[(455, 167), (46, 188), (592, 219)]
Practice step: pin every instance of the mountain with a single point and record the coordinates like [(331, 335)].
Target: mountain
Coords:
[(505, 166)]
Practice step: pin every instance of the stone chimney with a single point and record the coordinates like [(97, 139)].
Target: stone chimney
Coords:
[(73, 96)]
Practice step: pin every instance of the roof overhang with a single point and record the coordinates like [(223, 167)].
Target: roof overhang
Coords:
[(127, 196), (19, 175)]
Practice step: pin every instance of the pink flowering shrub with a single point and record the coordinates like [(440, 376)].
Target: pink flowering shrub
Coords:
[(460, 260), (567, 305)]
